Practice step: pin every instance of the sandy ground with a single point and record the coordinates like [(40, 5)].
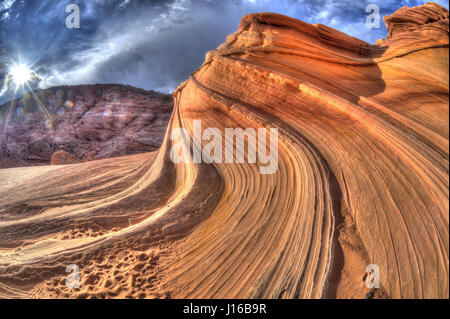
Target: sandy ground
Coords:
[(362, 179)]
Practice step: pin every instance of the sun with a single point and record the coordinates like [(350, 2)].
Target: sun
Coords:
[(21, 74)]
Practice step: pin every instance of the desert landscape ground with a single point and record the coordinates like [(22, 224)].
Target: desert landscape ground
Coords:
[(363, 178)]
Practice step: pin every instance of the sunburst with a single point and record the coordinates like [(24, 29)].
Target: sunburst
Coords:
[(21, 74)]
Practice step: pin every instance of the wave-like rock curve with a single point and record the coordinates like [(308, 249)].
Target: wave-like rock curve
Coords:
[(362, 179)]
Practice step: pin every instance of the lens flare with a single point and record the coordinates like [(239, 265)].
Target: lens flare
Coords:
[(21, 74)]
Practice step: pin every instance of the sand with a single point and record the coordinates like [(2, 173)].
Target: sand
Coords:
[(362, 179)]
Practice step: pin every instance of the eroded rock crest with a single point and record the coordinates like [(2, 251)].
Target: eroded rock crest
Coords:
[(362, 179)]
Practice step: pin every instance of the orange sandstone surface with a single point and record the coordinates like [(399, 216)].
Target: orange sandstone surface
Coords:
[(362, 179)]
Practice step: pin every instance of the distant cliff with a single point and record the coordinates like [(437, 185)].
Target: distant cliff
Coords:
[(84, 122), (362, 180)]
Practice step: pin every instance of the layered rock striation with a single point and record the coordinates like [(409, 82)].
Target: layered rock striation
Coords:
[(362, 179)]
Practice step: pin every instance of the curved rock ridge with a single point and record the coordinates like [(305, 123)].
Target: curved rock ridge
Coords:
[(417, 28), (362, 180), (431, 18), (86, 122)]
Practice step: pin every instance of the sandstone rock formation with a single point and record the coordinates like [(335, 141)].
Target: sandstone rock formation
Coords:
[(62, 158), (362, 179), (87, 121)]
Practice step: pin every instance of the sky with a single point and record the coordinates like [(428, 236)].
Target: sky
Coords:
[(150, 44)]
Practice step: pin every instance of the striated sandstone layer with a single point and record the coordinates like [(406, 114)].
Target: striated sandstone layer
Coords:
[(362, 179), (86, 122)]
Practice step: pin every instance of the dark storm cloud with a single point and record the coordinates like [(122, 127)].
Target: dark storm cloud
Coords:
[(149, 44)]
